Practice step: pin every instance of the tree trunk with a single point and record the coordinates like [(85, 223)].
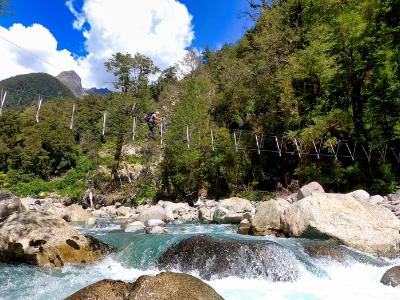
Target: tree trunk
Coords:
[(117, 158)]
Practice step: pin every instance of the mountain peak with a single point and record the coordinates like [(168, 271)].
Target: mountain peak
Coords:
[(72, 81)]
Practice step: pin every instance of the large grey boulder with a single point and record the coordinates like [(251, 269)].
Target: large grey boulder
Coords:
[(308, 189), (370, 228), (233, 210), (9, 204), (153, 212), (43, 239), (164, 286), (267, 219)]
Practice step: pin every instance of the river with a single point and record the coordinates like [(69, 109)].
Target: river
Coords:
[(355, 277)]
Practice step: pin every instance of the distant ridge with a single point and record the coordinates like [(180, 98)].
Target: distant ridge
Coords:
[(72, 81), (22, 90), (103, 91)]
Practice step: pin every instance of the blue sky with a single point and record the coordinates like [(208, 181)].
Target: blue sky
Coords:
[(81, 35)]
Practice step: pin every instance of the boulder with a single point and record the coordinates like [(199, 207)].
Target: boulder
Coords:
[(154, 222), (124, 211), (181, 207), (340, 218), (9, 204), (169, 211), (164, 286), (134, 229), (135, 223), (267, 219), (283, 202), (244, 228), (395, 197), (40, 238), (359, 195), (153, 212), (391, 276), (59, 212), (206, 215), (213, 258), (377, 199), (308, 189), (233, 210), (156, 230), (91, 222), (187, 218), (77, 214), (27, 202)]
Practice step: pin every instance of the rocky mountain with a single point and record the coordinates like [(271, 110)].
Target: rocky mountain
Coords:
[(22, 90), (72, 81), (103, 91)]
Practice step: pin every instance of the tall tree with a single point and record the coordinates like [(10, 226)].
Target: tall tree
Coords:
[(132, 77)]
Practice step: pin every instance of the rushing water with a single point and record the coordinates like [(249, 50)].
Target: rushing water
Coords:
[(357, 276)]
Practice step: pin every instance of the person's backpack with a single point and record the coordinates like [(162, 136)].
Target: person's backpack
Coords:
[(148, 116)]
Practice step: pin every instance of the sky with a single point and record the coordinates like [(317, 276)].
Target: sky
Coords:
[(52, 36)]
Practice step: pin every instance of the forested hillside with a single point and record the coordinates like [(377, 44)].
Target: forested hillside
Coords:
[(22, 90), (311, 92)]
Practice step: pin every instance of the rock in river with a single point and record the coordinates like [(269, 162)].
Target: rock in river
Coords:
[(43, 239), (214, 258), (164, 286)]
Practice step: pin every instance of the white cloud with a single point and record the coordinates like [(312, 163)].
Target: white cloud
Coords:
[(159, 29), (24, 43)]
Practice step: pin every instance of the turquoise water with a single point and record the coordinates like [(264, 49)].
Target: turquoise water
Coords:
[(354, 276)]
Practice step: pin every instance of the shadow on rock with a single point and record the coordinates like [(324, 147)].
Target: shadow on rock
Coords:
[(214, 259)]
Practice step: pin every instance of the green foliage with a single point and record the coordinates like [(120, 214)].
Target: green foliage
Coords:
[(24, 90), (3, 11), (3, 181)]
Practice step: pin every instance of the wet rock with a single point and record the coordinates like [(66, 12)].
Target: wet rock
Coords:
[(340, 218), (164, 286), (135, 229), (391, 276), (132, 223), (233, 210), (9, 204), (40, 238), (244, 228), (154, 222), (156, 230), (91, 222), (103, 289), (215, 258), (319, 250)]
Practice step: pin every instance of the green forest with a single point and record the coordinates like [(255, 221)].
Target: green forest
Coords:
[(310, 93), (25, 89)]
